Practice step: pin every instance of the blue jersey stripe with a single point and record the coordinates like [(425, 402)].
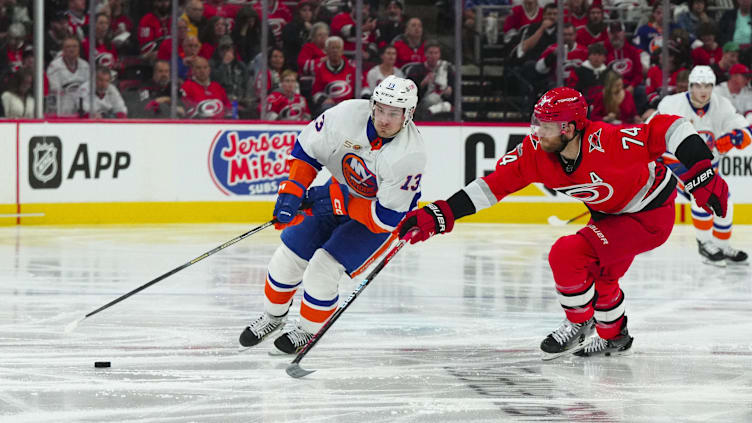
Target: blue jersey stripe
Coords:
[(280, 285), (320, 303), (696, 213), (388, 216), (299, 153)]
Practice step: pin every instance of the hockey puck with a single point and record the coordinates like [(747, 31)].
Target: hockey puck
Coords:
[(102, 364)]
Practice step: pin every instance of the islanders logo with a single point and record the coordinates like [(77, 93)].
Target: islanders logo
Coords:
[(358, 177), (250, 162)]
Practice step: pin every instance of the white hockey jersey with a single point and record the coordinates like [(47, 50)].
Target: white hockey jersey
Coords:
[(110, 105), (715, 119), (389, 171), (65, 84), (741, 101)]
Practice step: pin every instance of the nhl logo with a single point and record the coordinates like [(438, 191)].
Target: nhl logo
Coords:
[(45, 159)]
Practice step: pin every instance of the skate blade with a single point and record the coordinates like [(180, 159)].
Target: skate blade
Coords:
[(274, 352), (732, 263), (719, 263)]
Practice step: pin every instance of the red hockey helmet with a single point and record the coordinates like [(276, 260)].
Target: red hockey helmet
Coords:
[(556, 109)]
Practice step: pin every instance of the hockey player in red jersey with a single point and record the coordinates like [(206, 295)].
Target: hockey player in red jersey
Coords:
[(612, 169)]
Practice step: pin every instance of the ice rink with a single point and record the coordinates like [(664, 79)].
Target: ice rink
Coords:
[(448, 332)]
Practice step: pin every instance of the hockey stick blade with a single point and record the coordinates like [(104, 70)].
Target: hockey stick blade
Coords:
[(294, 370), (555, 221)]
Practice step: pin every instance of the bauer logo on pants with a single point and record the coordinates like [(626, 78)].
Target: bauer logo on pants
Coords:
[(45, 162)]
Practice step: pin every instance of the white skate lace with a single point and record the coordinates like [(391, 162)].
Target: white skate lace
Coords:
[(564, 333), (710, 248), (299, 337), (265, 324), (596, 344), (730, 252)]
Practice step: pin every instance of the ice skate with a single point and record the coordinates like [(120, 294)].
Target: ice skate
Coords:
[(293, 340), (712, 253), (262, 327), (735, 257), (621, 345), (567, 338)]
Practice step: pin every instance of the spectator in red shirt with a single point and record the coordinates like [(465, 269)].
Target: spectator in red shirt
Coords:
[(212, 33), (343, 26), (203, 98), (623, 57), (227, 10), (312, 52), (278, 16), (521, 16), (710, 52), (106, 55), (576, 13), (614, 104), (120, 24), (153, 28), (595, 30), (411, 46), (165, 48), (285, 104), (575, 55), (335, 77)]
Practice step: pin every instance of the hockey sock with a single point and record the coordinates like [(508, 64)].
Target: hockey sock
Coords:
[(722, 227), (703, 223), (284, 274), (320, 295), (570, 258)]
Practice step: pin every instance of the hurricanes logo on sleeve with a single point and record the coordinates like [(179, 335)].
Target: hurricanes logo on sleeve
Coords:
[(358, 177)]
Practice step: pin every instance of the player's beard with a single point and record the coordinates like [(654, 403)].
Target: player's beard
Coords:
[(555, 148)]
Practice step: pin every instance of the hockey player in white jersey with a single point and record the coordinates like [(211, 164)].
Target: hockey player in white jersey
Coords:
[(715, 119), (376, 157)]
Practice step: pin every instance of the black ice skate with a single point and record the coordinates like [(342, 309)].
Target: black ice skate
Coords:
[(262, 327), (621, 345), (569, 337), (292, 341), (734, 256), (712, 253)]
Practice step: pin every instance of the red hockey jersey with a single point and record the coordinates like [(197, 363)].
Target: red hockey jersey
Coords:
[(518, 20), (105, 56), (615, 173), (625, 61), (577, 21), (407, 54), (310, 55), (202, 102), (343, 21), (279, 16), (339, 85), (281, 107), (151, 31), (585, 37), (575, 58)]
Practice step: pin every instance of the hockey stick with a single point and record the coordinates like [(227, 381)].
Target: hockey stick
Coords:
[(72, 325), (294, 368), (555, 221)]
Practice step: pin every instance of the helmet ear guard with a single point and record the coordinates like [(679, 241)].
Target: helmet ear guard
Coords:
[(397, 92)]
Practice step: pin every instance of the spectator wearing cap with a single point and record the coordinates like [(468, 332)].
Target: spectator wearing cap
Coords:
[(391, 25), (595, 30), (588, 78), (729, 58), (57, 30), (385, 68), (521, 16), (153, 28), (106, 54), (737, 90), (204, 98), (343, 26), (710, 52), (623, 57), (232, 75), (410, 45), (614, 104), (312, 52), (297, 32), (66, 74), (194, 16), (576, 13), (729, 24), (692, 18), (575, 55)]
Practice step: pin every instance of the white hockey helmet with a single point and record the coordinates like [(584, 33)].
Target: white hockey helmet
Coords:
[(702, 75), (397, 92)]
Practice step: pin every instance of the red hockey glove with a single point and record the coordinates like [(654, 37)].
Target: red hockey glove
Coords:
[(709, 189), (435, 218), (739, 138)]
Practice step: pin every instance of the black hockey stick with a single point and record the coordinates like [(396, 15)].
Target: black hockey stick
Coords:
[(294, 368), (555, 221), (72, 325)]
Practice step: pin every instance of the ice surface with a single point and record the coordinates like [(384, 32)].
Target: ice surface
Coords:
[(448, 332)]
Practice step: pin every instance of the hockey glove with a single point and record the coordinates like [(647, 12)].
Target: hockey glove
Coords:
[(708, 189), (435, 218), (739, 138), (328, 199), (289, 200)]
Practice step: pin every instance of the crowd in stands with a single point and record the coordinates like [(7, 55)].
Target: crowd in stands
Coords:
[(618, 69), (613, 59)]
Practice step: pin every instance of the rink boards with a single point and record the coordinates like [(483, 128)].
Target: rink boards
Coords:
[(114, 171)]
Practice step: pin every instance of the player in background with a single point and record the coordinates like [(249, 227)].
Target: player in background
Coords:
[(376, 157), (613, 170), (716, 120)]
